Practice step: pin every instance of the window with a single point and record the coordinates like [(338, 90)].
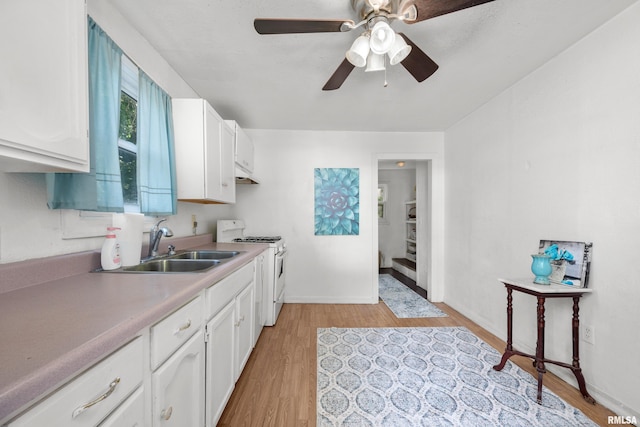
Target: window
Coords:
[(127, 137), (133, 164)]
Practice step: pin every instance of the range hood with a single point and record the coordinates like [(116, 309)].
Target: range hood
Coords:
[(242, 177)]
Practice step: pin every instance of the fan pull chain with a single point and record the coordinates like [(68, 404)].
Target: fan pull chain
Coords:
[(385, 72)]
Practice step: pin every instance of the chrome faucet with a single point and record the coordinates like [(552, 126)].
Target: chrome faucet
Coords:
[(155, 235)]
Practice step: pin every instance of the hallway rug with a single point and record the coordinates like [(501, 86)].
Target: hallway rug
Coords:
[(402, 301), (427, 377)]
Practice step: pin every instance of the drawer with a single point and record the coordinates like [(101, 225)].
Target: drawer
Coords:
[(93, 395), (130, 413), (219, 295), (173, 331)]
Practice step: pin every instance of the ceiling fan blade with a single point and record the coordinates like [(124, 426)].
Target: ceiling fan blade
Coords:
[(339, 76), (289, 26), (428, 9), (418, 63)]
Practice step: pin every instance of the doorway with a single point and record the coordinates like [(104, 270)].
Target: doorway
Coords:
[(408, 232)]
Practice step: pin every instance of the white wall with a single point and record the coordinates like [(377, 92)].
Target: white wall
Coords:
[(341, 269), (393, 230), (556, 157)]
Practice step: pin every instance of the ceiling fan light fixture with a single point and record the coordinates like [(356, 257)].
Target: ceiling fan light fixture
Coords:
[(382, 38), (399, 51), (375, 62), (359, 51)]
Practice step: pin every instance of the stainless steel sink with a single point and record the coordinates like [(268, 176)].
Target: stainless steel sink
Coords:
[(171, 265), (194, 261), (205, 255)]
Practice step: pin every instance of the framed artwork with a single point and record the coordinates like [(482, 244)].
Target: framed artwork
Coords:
[(337, 201), (570, 261)]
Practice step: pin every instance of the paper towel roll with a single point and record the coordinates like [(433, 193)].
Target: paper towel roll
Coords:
[(130, 237)]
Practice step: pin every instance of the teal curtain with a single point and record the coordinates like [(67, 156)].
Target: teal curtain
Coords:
[(156, 155), (100, 189)]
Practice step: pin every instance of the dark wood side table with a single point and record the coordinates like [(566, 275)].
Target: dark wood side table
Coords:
[(542, 292)]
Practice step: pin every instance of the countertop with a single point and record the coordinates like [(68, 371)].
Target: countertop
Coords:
[(54, 330)]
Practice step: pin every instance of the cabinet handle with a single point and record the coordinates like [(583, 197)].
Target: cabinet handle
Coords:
[(112, 387), (183, 327), (242, 318), (224, 184), (166, 413)]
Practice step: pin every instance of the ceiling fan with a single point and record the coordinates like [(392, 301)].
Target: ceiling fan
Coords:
[(378, 40)]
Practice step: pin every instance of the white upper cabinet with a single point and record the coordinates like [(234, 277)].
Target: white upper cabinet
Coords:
[(243, 148), (204, 153), (227, 168), (43, 86)]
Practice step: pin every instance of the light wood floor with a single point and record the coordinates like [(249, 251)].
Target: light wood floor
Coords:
[(278, 385)]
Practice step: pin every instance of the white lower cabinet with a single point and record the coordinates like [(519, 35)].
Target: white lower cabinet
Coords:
[(260, 297), (176, 373), (178, 387), (229, 336)]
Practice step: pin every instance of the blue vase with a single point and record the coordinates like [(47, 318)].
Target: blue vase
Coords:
[(541, 267)]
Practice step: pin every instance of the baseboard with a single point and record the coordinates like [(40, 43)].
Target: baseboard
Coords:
[(330, 300)]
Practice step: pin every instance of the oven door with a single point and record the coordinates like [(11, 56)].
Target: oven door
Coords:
[(278, 286)]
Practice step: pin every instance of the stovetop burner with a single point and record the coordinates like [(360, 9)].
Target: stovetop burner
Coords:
[(258, 239)]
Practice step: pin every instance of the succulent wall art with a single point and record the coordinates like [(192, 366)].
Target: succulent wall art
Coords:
[(337, 201)]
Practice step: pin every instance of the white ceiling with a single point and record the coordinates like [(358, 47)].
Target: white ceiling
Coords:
[(275, 81)]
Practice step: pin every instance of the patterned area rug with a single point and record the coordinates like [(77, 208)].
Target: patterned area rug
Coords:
[(427, 377), (403, 301)]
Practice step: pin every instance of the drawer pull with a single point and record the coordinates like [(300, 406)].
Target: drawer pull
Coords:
[(184, 327), (99, 399), (166, 413)]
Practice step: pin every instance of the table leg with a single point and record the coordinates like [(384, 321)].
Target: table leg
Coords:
[(577, 371), (540, 347), (508, 352)]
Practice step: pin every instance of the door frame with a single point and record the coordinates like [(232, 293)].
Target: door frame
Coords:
[(434, 223)]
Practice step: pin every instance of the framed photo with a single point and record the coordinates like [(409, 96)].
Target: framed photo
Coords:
[(570, 261)]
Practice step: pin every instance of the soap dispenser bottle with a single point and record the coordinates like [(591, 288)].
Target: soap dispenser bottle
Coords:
[(110, 255)]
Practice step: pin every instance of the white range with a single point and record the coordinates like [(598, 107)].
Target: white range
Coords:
[(232, 230)]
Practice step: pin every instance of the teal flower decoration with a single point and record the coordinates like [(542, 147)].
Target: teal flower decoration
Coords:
[(337, 201)]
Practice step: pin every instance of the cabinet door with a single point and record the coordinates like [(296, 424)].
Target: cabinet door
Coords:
[(244, 150), (220, 378), (213, 155), (178, 387), (227, 164), (245, 327), (189, 122), (43, 86), (258, 298)]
